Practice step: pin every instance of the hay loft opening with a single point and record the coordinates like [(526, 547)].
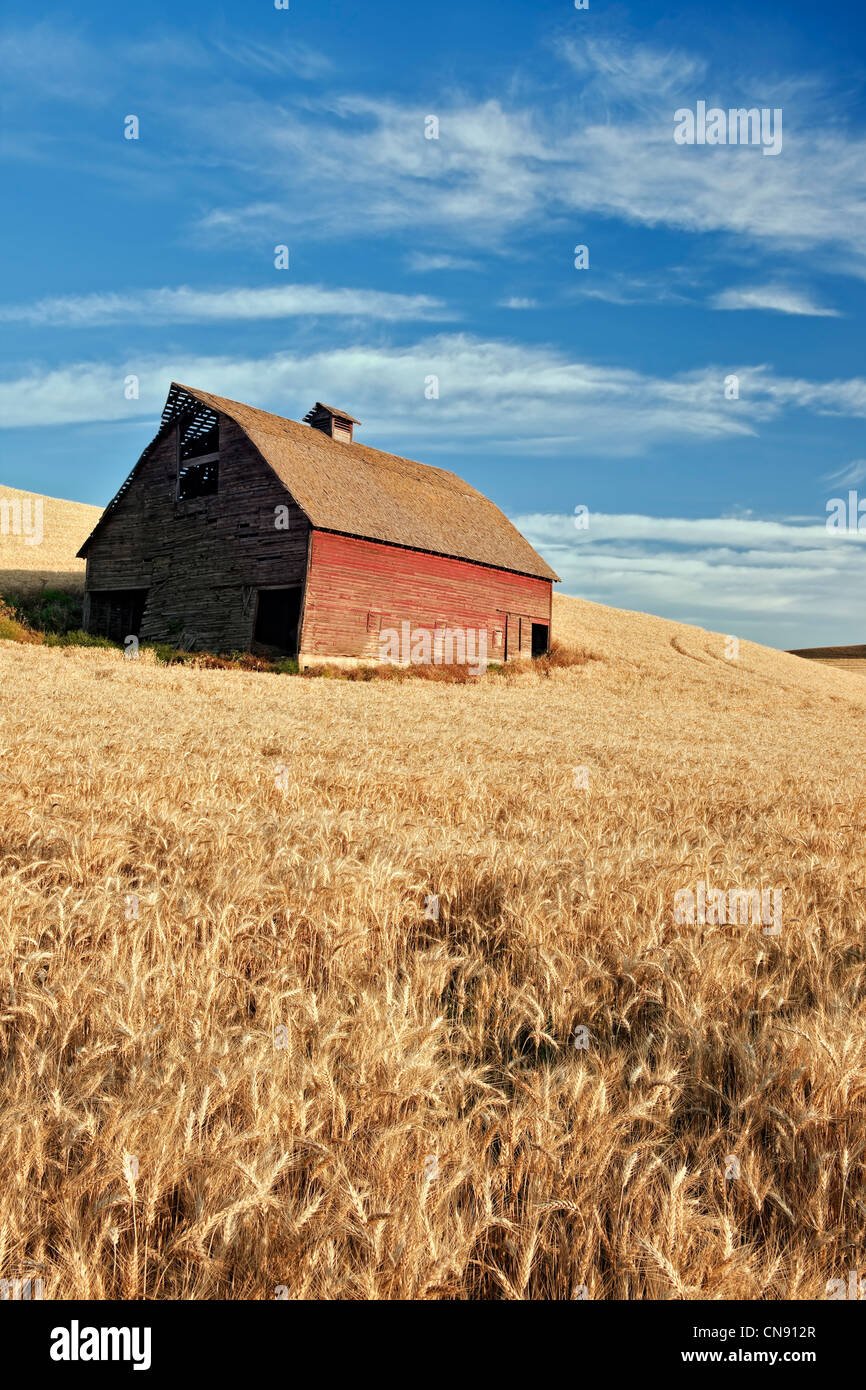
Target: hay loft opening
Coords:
[(198, 445)]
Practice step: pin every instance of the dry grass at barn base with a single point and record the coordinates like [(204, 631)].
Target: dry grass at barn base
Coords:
[(560, 656), (16, 625), (13, 628), (242, 1052)]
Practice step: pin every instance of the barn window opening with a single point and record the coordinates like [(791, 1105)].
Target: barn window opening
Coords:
[(198, 443), (116, 613), (539, 639), (278, 613)]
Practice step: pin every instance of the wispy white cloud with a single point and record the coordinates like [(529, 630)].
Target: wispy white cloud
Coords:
[(276, 57), (850, 476), (424, 261), (59, 60), (500, 166), (631, 73), (492, 394), (618, 288), (599, 142), (238, 223), (36, 61), (186, 305), (516, 302), (775, 581), (777, 298)]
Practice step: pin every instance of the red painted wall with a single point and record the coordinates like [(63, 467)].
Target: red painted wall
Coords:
[(356, 587)]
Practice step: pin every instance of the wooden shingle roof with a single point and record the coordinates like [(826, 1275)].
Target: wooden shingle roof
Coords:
[(330, 410), (364, 492)]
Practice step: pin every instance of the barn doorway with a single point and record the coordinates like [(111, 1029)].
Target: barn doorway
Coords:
[(539, 639), (278, 613), (116, 613)]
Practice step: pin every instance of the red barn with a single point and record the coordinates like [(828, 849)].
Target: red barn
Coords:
[(239, 530)]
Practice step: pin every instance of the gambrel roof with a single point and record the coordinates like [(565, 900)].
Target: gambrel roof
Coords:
[(359, 491)]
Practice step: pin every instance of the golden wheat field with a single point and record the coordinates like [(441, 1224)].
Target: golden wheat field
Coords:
[(329, 990), (39, 539)]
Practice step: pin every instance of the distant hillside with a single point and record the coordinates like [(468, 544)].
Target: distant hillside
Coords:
[(39, 537), (671, 651), (846, 658)]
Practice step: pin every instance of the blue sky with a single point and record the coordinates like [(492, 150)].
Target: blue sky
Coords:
[(454, 257)]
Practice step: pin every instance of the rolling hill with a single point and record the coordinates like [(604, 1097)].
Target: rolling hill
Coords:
[(57, 527)]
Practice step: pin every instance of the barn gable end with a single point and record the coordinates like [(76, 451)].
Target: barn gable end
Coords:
[(200, 560)]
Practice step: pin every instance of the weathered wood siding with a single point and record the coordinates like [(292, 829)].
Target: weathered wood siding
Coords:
[(201, 560), (355, 588)]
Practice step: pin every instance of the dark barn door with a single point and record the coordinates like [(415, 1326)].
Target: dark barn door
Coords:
[(278, 612), (116, 613), (539, 639)]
